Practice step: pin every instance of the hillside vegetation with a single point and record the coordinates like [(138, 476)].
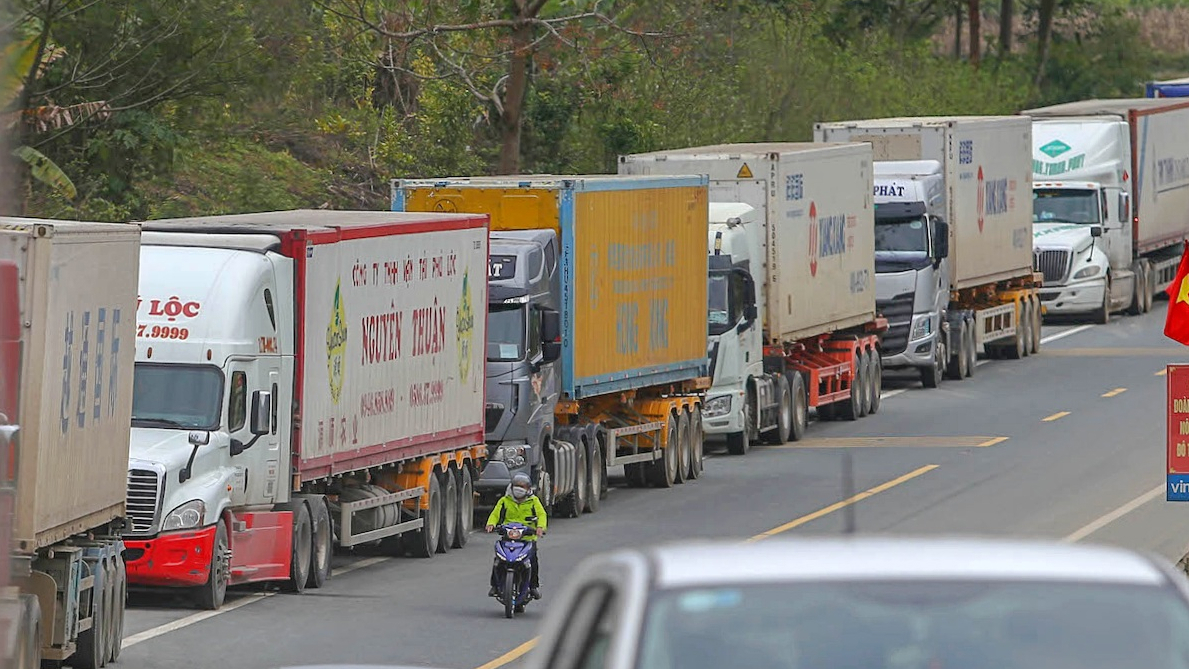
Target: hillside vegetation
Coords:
[(140, 109)]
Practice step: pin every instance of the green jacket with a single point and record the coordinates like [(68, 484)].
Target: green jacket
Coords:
[(508, 510)]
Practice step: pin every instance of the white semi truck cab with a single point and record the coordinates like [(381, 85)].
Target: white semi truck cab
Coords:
[(736, 345), (912, 274)]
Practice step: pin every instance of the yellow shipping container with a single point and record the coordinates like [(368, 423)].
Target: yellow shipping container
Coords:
[(633, 267)]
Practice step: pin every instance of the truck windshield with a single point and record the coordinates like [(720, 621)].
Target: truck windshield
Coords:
[(916, 624), (725, 292), (909, 234), (505, 333), (185, 397), (1065, 205)]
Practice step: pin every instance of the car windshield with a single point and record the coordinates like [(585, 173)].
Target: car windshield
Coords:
[(917, 625), (1065, 205), (902, 235), (186, 397), (505, 333)]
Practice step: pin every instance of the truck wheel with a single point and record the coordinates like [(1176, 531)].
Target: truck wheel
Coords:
[(739, 443), (1149, 286), (1014, 350), (1037, 323), (663, 471), (1102, 315), (971, 348), (784, 414), (1139, 279), (110, 588), (121, 604), (864, 383), (424, 541), (931, 375), (90, 652), (849, 409), (211, 595), (29, 633), (466, 507), (800, 406), (876, 381), (303, 548), (696, 439), (682, 447), (572, 504), (958, 360), (322, 545), (449, 512), (594, 474)]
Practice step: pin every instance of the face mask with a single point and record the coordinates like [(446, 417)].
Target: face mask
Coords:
[(519, 493)]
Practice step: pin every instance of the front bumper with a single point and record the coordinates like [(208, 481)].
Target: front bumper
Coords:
[(171, 559), (1078, 298), (728, 423), (918, 353)]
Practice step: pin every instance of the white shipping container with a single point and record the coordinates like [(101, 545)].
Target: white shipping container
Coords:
[(395, 332), (987, 162), (820, 225), (1096, 149), (78, 303)]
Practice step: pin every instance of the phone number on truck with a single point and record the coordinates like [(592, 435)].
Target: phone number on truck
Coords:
[(161, 332)]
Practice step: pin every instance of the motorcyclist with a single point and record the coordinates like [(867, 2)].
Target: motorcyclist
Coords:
[(517, 506)]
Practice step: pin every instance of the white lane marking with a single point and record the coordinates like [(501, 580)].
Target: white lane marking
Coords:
[(191, 619), (1116, 514), (1066, 333), (249, 599)]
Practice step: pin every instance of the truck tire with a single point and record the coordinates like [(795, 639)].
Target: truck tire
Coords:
[(876, 381), (956, 370), (1023, 337), (572, 504), (931, 375), (1102, 315), (849, 409), (696, 443), (739, 443), (682, 447), (971, 348), (779, 435), (466, 507), (91, 651), (595, 476), (864, 383), (663, 471), (800, 406), (424, 542), (109, 608), (322, 546), (449, 511), (1139, 287), (28, 653), (210, 596), (1149, 286), (302, 548), (121, 605)]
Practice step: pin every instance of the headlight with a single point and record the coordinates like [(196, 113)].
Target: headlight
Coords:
[(512, 455), (923, 327), (719, 406), (185, 516), (515, 534), (1086, 272)]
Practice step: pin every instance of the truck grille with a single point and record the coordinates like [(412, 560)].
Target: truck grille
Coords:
[(1053, 264), (898, 311), (144, 494)]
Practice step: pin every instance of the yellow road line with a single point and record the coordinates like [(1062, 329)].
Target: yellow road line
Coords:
[(514, 654), (1116, 391), (895, 442), (843, 504), (1059, 414)]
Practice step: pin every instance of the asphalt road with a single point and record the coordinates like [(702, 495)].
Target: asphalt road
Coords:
[(1067, 444)]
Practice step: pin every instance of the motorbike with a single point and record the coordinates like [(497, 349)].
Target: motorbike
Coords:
[(513, 567)]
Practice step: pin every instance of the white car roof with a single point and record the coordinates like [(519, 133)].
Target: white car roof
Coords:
[(901, 558)]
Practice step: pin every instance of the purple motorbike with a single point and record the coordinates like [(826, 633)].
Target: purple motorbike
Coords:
[(513, 566)]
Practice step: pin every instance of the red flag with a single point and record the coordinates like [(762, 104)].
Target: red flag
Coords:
[(1176, 323)]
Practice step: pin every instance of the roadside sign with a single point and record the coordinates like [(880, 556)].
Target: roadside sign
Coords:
[(1178, 434)]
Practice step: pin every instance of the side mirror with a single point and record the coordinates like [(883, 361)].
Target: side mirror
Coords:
[(1095, 230), (261, 412), (941, 240), (550, 335), (1124, 208), (200, 438)]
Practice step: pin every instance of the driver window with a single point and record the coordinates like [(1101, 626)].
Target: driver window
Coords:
[(589, 631), (738, 297), (534, 332), (237, 406)]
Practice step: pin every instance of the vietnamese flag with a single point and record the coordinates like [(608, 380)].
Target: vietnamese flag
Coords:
[(1176, 323)]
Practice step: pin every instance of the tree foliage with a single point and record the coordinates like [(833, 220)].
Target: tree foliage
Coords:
[(167, 107)]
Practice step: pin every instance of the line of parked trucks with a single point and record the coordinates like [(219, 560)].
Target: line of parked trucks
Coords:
[(206, 402)]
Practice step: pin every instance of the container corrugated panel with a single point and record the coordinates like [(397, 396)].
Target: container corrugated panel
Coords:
[(819, 222), (988, 162), (633, 267), (79, 297)]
